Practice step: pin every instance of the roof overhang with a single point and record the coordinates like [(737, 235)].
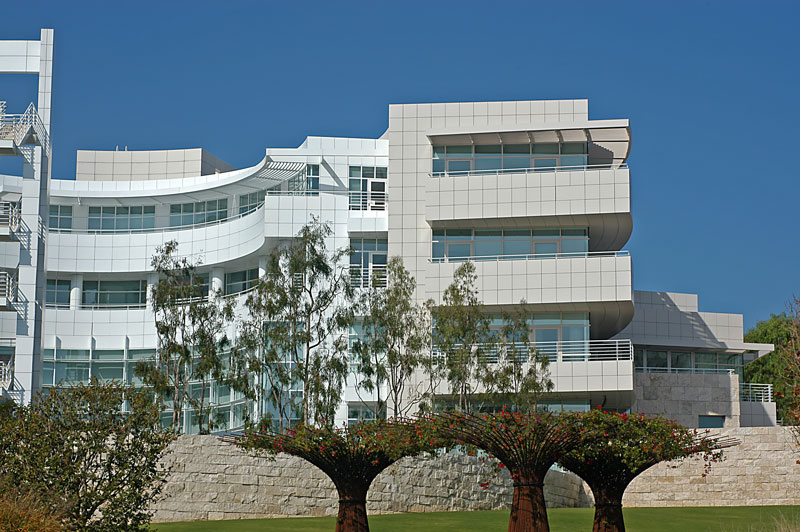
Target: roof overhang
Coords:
[(266, 174)]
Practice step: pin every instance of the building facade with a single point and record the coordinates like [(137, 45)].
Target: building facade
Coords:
[(535, 193)]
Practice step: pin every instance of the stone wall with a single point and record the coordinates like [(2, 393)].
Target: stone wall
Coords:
[(684, 397), (213, 480)]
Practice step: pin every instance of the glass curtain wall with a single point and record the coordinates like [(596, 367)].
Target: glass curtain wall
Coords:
[(458, 245), (508, 158)]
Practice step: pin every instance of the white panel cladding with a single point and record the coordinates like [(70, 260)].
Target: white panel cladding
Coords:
[(561, 193), (671, 319), (561, 280), (592, 376), (280, 217)]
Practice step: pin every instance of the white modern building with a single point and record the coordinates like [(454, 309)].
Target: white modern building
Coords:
[(534, 192)]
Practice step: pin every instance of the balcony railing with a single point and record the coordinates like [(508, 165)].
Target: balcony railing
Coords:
[(364, 278), (504, 171), (8, 287), (705, 371), (368, 201), (755, 393), (555, 352), (17, 127), (9, 215), (6, 375), (533, 256)]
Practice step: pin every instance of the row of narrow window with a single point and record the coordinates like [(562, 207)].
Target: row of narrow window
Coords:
[(133, 293)]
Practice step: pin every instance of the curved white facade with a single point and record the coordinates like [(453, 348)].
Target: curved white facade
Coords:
[(534, 192)]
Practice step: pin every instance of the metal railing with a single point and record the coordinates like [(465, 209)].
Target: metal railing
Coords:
[(368, 201), (8, 286), (9, 215), (16, 127), (755, 392), (6, 375), (364, 277), (537, 170), (712, 371), (569, 351), (533, 256), (157, 229)]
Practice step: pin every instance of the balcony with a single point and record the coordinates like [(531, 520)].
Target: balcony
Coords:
[(594, 196), (20, 133), (8, 291), (9, 220), (83, 250), (580, 366), (598, 282), (752, 392)]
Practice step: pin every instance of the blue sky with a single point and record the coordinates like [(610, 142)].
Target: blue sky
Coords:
[(710, 88)]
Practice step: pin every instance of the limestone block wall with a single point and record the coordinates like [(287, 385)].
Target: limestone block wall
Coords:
[(683, 397), (213, 480)]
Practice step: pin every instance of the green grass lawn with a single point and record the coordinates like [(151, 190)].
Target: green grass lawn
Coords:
[(733, 519)]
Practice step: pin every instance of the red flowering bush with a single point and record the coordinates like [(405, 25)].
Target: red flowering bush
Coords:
[(351, 456), (528, 444), (616, 448)]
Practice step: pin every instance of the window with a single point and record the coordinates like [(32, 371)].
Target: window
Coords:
[(456, 245), (57, 293), (198, 213), (122, 218), (358, 412), (250, 202), (367, 188), (368, 261), (710, 422), (312, 177), (60, 217), (682, 361), (114, 293), (493, 158), (236, 282)]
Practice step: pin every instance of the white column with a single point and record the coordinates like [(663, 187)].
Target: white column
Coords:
[(75, 292), (152, 280), (216, 282)]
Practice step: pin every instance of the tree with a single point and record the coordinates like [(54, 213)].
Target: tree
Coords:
[(351, 457), (616, 448), (395, 335), (193, 346), (518, 374), (75, 446), (771, 368), (298, 320), (461, 334), (528, 444), (789, 351)]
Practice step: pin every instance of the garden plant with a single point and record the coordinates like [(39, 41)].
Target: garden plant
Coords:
[(616, 448), (350, 456)]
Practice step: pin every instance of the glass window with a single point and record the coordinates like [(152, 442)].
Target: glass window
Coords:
[(72, 372), (574, 148), (60, 217), (367, 188), (108, 371), (368, 261), (198, 213), (47, 373), (114, 293), (705, 360), (680, 360), (657, 359), (545, 148), (710, 422), (250, 202), (458, 160), (236, 282), (57, 293), (122, 218), (108, 354), (459, 244)]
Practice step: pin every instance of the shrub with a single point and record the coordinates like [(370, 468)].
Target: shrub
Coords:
[(25, 511), (76, 444)]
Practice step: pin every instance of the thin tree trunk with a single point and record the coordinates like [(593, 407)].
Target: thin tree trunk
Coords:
[(352, 511), (528, 510)]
